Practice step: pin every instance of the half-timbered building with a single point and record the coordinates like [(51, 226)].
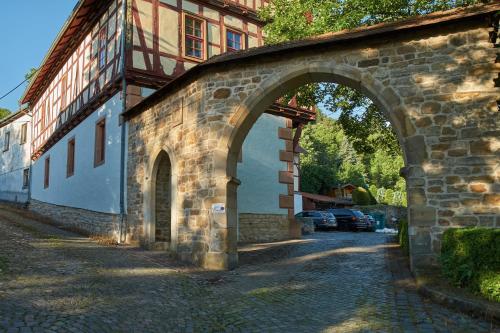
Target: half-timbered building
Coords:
[(109, 56)]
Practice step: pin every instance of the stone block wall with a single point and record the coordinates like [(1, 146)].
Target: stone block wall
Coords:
[(263, 227), (82, 220)]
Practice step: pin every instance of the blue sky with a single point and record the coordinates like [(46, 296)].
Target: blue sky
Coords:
[(27, 30)]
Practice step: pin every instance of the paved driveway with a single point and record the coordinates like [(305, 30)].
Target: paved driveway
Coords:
[(55, 281)]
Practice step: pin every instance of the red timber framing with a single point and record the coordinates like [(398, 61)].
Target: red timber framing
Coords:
[(158, 53), (88, 73), (158, 48)]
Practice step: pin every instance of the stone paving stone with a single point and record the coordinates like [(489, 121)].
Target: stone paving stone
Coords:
[(332, 282)]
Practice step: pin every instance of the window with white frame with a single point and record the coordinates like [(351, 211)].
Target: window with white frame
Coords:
[(194, 37)]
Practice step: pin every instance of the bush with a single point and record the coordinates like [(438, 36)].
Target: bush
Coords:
[(470, 258), (403, 237), (360, 196)]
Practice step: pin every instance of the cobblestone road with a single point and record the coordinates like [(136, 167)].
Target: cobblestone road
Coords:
[(55, 281)]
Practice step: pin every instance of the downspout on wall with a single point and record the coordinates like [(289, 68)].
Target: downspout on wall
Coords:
[(122, 231), (30, 174)]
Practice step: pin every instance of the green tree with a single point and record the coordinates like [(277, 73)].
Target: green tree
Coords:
[(373, 190), (384, 169), (352, 169), (319, 167), (331, 158), (361, 120), (4, 113), (381, 195), (389, 197)]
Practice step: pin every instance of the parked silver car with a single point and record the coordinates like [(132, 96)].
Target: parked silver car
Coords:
[(322, 220)]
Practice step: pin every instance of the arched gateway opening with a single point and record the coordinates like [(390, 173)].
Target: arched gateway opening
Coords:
[(249, 112)]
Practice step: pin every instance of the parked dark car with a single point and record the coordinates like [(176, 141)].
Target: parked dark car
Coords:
[(349, 219), (322, 219)]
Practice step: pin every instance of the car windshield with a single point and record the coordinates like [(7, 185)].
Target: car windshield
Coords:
[(327, 214), (339, 211), (358, 213)]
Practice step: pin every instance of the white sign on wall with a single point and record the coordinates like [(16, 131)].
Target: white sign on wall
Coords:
[(218, 208)]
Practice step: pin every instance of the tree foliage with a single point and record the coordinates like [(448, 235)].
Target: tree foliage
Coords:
[(331, 161), (4, 113), (384, 169), (362, 121), (319, 167)]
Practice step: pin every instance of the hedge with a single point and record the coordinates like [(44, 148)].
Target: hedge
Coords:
[(470, 258), (403, 237), (361, 196)]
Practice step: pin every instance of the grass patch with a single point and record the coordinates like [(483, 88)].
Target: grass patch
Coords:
[(470, 258)]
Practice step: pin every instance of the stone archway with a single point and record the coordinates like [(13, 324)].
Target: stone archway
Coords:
[(435, 78), (160, 218)]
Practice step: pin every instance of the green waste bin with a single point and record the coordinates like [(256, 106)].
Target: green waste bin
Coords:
[(380, 219)]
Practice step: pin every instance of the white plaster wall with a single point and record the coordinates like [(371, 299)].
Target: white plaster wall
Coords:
[(297, 203), (92, 188), (14, 161), (259, 171)]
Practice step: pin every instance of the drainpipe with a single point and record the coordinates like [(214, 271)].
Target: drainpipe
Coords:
[(30, 174), (122, 232)]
